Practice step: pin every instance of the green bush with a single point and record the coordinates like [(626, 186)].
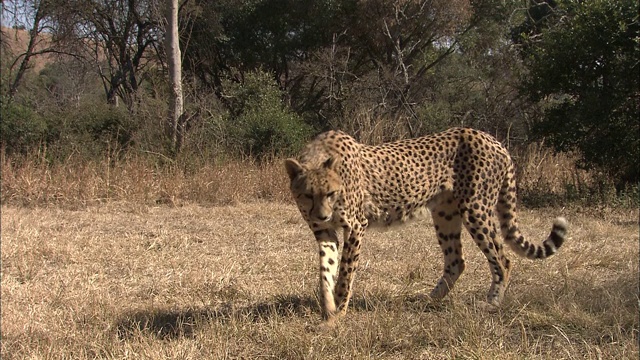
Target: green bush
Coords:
[(584, 70), (107, 124), (89, 131), (21, 128), (100, 128), (258, 123)]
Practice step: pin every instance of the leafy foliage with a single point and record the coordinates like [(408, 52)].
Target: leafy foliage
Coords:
[(584, 70), (258, 121), (339, 59), (262, 75), (226, 37), (21, 128)]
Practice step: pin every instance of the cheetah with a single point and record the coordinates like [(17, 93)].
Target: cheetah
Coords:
[(463, 176)]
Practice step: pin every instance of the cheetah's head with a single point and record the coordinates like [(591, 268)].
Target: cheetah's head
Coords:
[(317, 191)]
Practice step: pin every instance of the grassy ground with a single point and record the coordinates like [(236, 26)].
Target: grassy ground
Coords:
[(126, 281)]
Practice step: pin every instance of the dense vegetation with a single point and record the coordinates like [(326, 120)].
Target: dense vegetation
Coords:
[(89, 79)]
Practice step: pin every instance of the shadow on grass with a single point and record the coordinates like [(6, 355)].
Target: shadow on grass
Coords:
[(173, 324), (614, 304), (412, 303), (182, 323)]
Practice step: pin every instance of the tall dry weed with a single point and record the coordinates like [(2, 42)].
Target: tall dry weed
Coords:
[(544, 178), (31, 181), (547, 178), (541, 168)]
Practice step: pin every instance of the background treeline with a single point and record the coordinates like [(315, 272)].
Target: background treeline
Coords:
[(85, 82)]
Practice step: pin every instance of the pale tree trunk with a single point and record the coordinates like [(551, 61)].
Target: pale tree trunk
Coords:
[(174, 60)]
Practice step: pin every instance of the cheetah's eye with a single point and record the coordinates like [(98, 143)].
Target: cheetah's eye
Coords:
[(331, 194)]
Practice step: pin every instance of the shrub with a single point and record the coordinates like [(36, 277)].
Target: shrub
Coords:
[(258, 122), (89, 131), (584, 70), (21, 128)]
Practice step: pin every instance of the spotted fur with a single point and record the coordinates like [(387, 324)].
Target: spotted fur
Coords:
[(463, 176)]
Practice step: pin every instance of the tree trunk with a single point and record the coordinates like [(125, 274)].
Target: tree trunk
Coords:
[(29, 53), (174, 61)]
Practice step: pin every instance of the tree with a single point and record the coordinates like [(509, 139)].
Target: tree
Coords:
[(35, 15), (337, 59), (388, 61), (117, 38), (227, 38), (584, 70), (174, 62)]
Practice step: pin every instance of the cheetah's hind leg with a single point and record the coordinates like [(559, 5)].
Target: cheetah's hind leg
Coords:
[(448, 226)]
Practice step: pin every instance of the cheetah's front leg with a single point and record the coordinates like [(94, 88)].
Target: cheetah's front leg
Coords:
[(328, 250), (348, 266)]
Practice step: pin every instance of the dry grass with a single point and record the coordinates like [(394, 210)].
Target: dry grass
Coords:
[(541, 168), (76, 183), (126, 280), (545, 178), (131, 259)]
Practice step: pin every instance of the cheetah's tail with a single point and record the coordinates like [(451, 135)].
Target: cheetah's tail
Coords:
[(548, 247), (509, 224)]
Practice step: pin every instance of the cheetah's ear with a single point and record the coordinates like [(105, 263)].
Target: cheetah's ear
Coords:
[(328, 164), (294, 168)]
